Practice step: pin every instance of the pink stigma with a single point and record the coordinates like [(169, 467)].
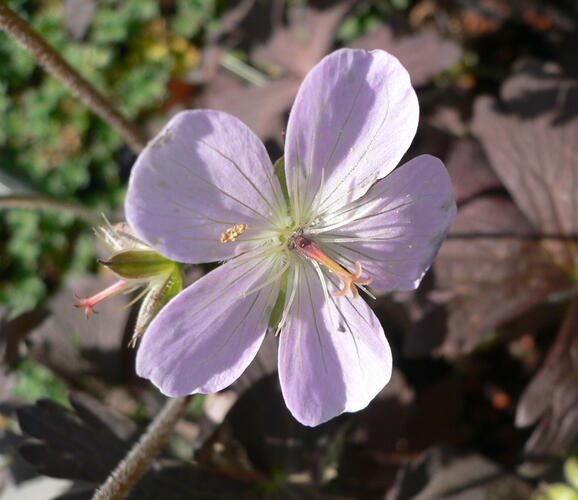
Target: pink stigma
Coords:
[(88, 303)]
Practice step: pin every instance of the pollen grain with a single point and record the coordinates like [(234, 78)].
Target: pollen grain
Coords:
[(233, 233)]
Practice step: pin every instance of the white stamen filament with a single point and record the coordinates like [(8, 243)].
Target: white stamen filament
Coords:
[(273, 278), (247, 257), (349, 239), (344, 222), (136, 299), (315, 202), (297, 198), (289, 303)]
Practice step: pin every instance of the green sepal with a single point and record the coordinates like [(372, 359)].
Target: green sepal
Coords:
[(277, 311), (139, 264), (560, 491), (157, 297), (279, 170)]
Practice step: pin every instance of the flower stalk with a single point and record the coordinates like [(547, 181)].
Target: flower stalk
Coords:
[(49, 204), (52, 62), (138, 460)]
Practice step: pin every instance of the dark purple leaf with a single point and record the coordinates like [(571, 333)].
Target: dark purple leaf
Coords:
[(308, 36), (16, 469), (552, 394), (78, 16), (263, 109), (495, 271), (72, 445), (530, 138), (470, 171), (77, 348), (217, 405), (260, 436), (88, 442), (13, 333), (445, 474), (425, 55), (531, 142)]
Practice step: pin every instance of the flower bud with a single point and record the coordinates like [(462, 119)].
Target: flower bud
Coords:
[(139, 264)]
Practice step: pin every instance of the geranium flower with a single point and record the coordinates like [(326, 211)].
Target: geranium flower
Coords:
[(295, 251)]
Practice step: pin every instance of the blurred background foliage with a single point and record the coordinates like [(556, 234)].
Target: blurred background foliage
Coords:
[(51, 144)]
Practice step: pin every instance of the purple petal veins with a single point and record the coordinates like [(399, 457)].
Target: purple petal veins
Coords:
[(204, 190)]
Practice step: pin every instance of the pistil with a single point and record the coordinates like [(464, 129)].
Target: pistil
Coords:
[(88, 303), (309, 249)]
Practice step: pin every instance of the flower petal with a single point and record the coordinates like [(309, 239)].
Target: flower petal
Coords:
[(396, 229), (333, 355), (203, 174), (354, 117), (205, 337)]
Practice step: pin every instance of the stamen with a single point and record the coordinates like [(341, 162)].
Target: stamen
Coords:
[(289, 303), (297, 197), (89, 302), (315, 202), (233, 233), (136, 299), (309, 249), (272, 279)]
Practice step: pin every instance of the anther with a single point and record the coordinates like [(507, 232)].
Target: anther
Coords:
[(233, 233)]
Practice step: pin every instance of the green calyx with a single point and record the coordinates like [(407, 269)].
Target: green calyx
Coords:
[(139, 264), (157, 297), (277, 311), (279, 170)]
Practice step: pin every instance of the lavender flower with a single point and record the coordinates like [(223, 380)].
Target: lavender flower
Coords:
[(296, 247)]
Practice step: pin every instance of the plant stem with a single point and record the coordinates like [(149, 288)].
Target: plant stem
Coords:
[(52, 62), (133, 466), (50, 205)]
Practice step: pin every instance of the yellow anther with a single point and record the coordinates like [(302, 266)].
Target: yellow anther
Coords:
[(233, 233)]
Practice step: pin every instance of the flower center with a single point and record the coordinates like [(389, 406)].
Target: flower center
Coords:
[(309, 249)]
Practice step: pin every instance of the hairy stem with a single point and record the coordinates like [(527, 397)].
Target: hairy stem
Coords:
[(133, 466), (52, 62), (50, 205)]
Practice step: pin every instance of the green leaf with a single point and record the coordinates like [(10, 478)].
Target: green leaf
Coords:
[(279, 307), (571, 471), (560, 491), (35, 381), (279, 169)]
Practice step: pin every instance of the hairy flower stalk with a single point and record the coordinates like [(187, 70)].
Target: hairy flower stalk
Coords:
[(297, 242)]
